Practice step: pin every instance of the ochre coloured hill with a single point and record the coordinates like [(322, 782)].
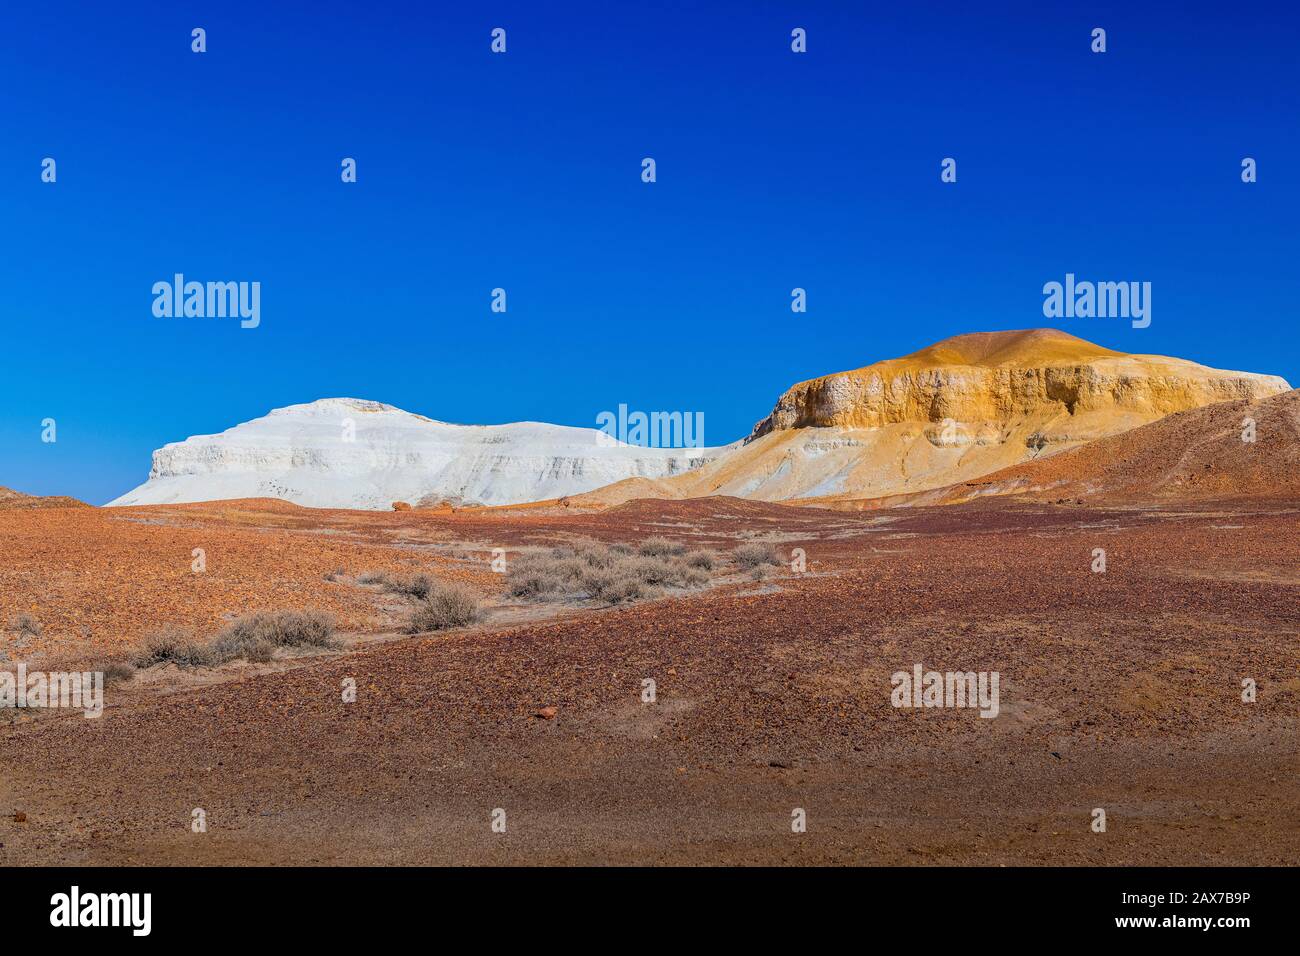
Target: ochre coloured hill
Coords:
[(13, 500), (1205, 453), (954, 411), (992, 377)]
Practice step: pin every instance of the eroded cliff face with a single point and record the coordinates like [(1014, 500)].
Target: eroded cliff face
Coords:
[(962, 408), (1009, 376), (350, 453)]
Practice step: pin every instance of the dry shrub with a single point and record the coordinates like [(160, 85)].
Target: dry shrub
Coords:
[(652, 571), (172, 645), (114, 671), (241, 644), (253, 637), (703, 560), (445, 606), (597, 556), (24, 625), (660, 547), (527, 579), (280, 629), (616, 590), (612, 574), (417, 587), (693, 577), (753, 555)]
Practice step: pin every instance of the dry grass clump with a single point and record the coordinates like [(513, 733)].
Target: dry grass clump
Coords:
[(253, 638), (24, 625), (171, 645), (443, 606), (115, 672), (612, 574), (753, 555), (241, 644), (615, 589), (659, 547), (438, 605), (283, 629), (417, 587), (530, 578), (703, 560)]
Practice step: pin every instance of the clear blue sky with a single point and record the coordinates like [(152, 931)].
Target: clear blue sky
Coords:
[(522, 170)]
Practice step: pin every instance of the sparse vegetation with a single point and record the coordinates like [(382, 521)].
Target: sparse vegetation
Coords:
[(703, 560), (443, 606), (659, 547), (24, 625), (115, 672), (581, 572), (753, 555), (612, 574), (171, 645), (615, 589), (418, 587), (253, 638), (283, 629), (438, 605), (531, 579), (241, 644)]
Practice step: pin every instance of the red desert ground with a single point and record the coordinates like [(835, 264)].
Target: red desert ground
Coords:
[(671, 666)]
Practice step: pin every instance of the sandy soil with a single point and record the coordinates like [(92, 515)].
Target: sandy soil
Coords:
[(1119, 690)]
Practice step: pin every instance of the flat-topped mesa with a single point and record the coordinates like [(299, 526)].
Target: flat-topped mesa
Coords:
[(998, 376), (356, 453)]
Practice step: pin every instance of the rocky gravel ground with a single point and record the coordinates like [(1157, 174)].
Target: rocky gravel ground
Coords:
[(1119, 690)]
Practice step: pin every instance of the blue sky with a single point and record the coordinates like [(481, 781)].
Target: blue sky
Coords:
[(522, 171)]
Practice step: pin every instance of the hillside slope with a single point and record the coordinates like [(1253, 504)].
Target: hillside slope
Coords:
[(951, 412), (349, 453), (1198, 453), (11, 500)]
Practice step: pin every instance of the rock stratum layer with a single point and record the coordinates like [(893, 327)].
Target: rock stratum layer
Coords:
[(350, 453), (999, 376), (961, 408)]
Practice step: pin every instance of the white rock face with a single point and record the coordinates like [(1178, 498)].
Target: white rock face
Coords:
[(303, 454)]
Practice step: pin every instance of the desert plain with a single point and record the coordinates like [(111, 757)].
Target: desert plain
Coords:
[(1120, 690)]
